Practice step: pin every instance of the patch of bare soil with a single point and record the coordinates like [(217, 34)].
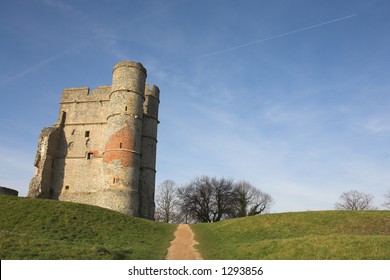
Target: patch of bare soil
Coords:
[(182, 247)]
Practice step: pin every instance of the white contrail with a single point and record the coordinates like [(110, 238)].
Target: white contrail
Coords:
[(38, 65), (270, 38)]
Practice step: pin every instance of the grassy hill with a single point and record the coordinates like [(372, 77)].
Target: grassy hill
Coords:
[(47, 229), (303, 235)]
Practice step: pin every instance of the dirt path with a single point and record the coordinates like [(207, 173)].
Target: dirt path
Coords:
[(182, 247)]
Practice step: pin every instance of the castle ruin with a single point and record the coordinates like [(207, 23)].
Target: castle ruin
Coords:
[(102, 149)]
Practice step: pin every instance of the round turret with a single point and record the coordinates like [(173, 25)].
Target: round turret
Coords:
[(149, 147), (121, 158), (129, 75)]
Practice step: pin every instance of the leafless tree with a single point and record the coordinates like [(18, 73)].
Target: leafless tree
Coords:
[(167, 202), (195, 199), (354, 200), (224, 198), (208, 199), (386, 204), (250, 201)]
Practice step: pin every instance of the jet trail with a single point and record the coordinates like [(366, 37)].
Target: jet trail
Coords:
[(271, 38), (38, 65)]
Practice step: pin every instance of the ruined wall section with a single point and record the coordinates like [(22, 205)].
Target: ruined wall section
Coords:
[(49, 161), (148, 152), (85, 129)]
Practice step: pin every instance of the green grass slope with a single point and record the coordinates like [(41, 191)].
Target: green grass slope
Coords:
[(47, 229), (304, 235)]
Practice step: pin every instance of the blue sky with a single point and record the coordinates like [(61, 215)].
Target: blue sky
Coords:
[(292, 96)]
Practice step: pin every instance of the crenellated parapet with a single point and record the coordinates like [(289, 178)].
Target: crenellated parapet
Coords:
[(152, 101), (83, 94)]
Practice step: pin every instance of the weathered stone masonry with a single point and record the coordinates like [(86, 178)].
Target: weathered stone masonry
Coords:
[(102, 150)]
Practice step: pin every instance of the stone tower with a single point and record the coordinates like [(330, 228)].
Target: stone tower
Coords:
[(102, 150), (149, 146)]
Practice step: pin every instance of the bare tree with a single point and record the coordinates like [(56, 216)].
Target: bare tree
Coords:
[(250, 201), (261, 203), (223, 199), (386, 204), (195, 199), (354, 200), (167, 202), (208, 199)]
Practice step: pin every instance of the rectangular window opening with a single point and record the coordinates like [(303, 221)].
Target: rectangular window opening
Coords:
[(90, 156), (120, 145), (66, 187), (87, 133)]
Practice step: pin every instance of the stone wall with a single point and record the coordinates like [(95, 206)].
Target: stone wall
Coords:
[(49, 161)]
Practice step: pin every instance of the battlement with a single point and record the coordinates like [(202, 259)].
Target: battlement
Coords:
[(83, 94), (101, 91), (154, 91)]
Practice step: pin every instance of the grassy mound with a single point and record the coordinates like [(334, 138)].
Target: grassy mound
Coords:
[(47, 229), (303, 235)]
